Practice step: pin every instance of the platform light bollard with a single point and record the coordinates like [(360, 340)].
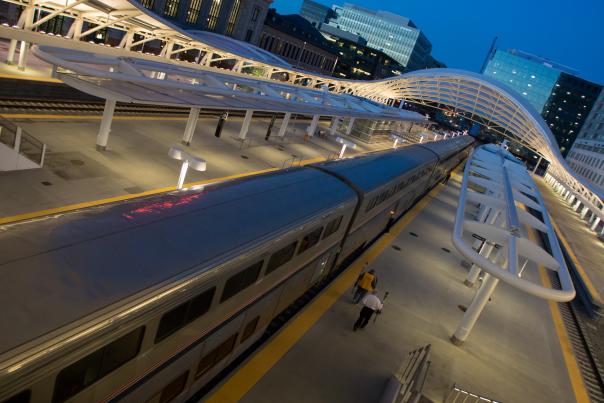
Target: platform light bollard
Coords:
[(187, 159), (345, 144)]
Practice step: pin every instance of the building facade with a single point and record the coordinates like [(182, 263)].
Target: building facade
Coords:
[(587, 154), (239, 19), (562, 98), (315, 13), (356, 60), (395, 35), (297, 41)]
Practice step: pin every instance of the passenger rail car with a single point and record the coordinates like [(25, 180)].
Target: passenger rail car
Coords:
[(148, 299)]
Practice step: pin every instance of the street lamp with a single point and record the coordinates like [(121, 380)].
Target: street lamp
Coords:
[(187, 159), (345, 143)]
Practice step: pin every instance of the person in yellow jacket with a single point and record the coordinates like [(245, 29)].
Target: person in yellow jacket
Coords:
[(366, 282)]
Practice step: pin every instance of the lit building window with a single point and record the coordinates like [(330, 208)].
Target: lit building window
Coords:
[(213, 14), (233, 17), (193, 12), (171, 8)]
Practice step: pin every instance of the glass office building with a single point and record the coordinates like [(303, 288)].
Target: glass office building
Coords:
[(563, 99), (532, 79), (393, 34), (316, 13)]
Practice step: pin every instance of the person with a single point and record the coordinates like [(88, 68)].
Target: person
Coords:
[(371, 304), (366, 282)]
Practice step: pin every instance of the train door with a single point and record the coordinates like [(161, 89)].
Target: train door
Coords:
[(323, 263)]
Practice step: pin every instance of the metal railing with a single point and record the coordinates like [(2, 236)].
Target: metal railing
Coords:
[(407, 384), (458, 395), (291, 162), (24, 143)]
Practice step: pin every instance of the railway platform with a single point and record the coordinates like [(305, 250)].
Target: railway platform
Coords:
[(519, 350), (137, 159)]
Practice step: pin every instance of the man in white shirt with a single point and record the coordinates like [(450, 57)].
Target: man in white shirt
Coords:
[(371, 304)]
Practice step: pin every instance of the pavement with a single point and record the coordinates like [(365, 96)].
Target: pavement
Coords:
[(514, 354)]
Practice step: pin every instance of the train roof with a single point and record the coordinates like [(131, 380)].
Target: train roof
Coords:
[(58, 269), (450, 146), (374, 170)]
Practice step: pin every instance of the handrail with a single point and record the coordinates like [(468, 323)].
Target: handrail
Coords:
[(22, 142), (406, 385), (459, 395)]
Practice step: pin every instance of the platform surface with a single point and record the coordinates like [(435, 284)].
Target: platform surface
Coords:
[(587, 249), (512, 355), (136, 159)]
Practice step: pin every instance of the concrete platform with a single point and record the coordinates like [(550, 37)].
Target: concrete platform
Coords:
[(137, 160), (587, 252), (512, 355)]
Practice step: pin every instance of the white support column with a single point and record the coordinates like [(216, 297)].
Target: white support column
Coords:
[(576, 206), (310, 130), (350, 126), (12, 49), (538, 163), (75, 31), (246, 124), (284, 123), (190, 128), (27, 18), (334, 125), (595, 224), (105, 129), (23, 51), (475, 309), (584, 211), (571, 199)]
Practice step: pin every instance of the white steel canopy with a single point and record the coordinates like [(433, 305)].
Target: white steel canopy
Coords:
[(160, 82), (471, 93)]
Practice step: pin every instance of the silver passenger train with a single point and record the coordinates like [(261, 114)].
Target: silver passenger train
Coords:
[(147, 300)]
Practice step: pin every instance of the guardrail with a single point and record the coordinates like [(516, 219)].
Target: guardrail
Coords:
[(24, 143), (406, 385)]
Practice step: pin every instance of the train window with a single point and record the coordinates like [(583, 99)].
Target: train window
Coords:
[(241, 280), (332, 227), (183, 314), (249, 329), (174, 388), (93, 367), (310, 240), (281, 257), (215, 356), (21, 397)]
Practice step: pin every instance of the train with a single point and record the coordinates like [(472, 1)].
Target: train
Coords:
[(149, 299)]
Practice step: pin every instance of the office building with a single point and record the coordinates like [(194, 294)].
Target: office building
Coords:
[(316, 13), (555, 91), (395, 35), (587, 154), (239, 19), (296, 40), (356, 60)]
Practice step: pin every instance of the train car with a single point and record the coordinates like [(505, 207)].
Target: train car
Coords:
[(147, 300)]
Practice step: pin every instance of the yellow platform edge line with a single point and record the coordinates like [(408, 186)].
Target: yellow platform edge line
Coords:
[(77, 206), (242, 381), (570, 360), (582, 272)]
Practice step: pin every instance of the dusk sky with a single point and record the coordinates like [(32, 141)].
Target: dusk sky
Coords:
[(570, 32)]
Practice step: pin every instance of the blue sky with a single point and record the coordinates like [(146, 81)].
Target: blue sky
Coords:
[(570, 32)]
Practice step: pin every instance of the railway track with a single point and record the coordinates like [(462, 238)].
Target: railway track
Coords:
[(92, 108)]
